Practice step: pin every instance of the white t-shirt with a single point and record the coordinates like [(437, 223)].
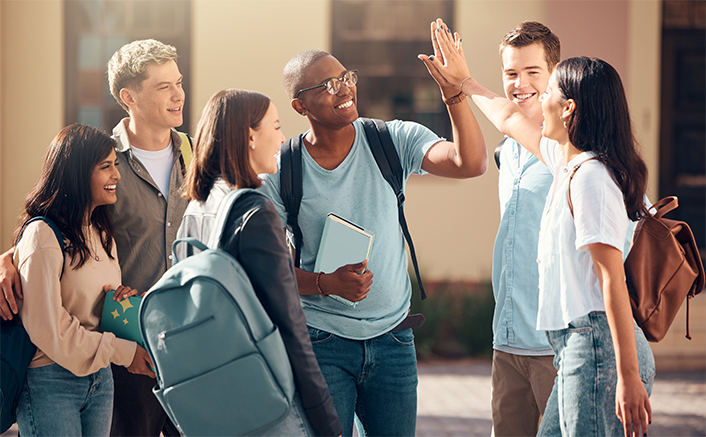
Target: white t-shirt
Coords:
[(158, 164), (568, 284)]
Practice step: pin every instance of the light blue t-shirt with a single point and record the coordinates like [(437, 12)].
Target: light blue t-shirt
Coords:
[(523, 185), (356, 190)]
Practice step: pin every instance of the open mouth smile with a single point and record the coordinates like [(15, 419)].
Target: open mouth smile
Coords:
[(345, 105)]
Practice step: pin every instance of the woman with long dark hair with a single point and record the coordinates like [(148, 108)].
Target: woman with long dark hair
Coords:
[(69, 385), (237, 138), (605, 365)]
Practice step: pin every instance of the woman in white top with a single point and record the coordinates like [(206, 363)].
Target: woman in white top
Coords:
[(69, 385), (605, 365)]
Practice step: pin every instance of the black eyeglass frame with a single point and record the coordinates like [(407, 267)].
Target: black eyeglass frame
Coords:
[(331, 90)]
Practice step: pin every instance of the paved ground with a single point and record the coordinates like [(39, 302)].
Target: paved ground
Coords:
[(454, 400)]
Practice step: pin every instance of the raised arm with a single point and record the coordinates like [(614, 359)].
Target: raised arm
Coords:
[(467, 155), (451, 67)]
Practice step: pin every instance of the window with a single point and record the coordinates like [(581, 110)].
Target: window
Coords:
[(95, 29), (381, 39)]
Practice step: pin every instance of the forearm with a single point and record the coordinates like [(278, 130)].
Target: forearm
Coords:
[(306, 282), (470, 155), (622, 330)]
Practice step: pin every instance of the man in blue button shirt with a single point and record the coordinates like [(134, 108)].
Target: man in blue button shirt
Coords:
[(523, 373)]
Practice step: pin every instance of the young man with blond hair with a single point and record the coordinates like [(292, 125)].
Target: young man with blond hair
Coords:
[(523, 373), (145, 80)]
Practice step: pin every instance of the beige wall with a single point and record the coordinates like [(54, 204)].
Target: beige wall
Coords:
[(31, 98), (245, 44)]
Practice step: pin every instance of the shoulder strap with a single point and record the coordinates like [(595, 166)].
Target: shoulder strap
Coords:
[(53, 226), (497, 152), (290, 187), (186, 149), (571, 205), (224, 208), (387, 159)]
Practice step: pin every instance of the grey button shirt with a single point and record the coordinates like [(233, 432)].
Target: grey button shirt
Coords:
[(145, 223)]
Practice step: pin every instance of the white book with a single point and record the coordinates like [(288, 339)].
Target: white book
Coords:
[(342, 243)]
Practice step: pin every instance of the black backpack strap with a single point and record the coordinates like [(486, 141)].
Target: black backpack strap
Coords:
[(53, 227), (496, 154), (388, 161), (290, 186)]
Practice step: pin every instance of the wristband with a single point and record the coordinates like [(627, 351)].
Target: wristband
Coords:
[(463, 81), (458, 98), (318, 287)]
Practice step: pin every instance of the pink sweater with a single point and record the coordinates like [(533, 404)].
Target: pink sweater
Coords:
[(63, 317)]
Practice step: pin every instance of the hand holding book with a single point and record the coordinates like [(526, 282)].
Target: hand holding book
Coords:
[(343, 256), (348, 282)]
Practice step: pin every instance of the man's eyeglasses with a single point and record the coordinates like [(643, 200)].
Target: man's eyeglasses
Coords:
[(333, 85)]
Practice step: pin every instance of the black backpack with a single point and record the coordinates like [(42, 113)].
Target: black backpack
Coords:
[(17, 352), (388, 162)]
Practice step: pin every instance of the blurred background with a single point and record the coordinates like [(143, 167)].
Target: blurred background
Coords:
[(53, 56)]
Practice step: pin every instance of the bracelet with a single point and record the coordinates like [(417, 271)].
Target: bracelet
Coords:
[(318, 287), (458, 98), (463, 81)]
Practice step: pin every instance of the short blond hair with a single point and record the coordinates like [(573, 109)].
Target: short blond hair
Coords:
[(128, 66)]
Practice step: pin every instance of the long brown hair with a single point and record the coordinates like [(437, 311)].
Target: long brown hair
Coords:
[(601, 124), (63, 192), (221, 145)]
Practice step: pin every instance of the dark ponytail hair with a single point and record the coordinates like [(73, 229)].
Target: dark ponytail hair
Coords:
[(63, 192), (601, 124)]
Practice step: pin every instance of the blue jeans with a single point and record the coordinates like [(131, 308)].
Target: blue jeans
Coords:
[(583, 398), (294, 424), (55, 402), (375, 379)]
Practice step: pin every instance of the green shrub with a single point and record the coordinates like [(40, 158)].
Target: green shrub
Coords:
[(459, 319)]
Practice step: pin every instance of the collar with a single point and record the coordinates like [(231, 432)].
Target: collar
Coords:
[(581, 158), (123, 140)]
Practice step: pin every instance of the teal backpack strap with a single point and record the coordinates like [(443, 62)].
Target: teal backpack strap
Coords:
[(224, 208)]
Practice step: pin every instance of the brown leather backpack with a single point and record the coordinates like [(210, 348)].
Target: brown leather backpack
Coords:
[(663, 268)]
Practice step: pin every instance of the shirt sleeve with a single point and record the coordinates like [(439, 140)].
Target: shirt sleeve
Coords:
[(263, 255), (51, 328), (551, 154), (412, 141), (599, 211)]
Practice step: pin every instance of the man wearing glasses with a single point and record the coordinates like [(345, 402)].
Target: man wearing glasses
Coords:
[(365, 354)]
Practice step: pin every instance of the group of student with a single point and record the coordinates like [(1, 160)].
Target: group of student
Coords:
[(121, 201)]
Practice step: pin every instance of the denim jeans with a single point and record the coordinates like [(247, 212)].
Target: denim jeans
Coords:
[(375, 379), (55, 402), (583, 398), (295, 424)]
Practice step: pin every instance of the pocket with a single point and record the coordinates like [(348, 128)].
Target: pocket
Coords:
[(237, 398), (317, 336), (403, 337)]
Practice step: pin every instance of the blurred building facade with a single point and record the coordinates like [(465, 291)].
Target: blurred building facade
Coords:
[(52, 72)]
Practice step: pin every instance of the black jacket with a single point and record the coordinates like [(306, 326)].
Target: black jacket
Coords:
[(254, 236)]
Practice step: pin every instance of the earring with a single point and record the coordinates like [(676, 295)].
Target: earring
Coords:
[(252, 146), (565, 126)]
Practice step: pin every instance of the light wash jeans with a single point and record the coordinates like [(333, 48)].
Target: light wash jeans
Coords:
[(376, 379), (582, 402), (55, 402), (295, 424)]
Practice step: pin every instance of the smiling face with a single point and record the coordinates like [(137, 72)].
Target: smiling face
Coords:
[(554, 108), (525, 77), (159, 100), (332, 110), (104, 178), (267, 138)]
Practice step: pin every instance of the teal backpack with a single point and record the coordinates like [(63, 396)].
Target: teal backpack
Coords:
[(221, 364)]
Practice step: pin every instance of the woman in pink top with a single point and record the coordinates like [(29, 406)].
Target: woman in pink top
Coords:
[(69, 385)]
